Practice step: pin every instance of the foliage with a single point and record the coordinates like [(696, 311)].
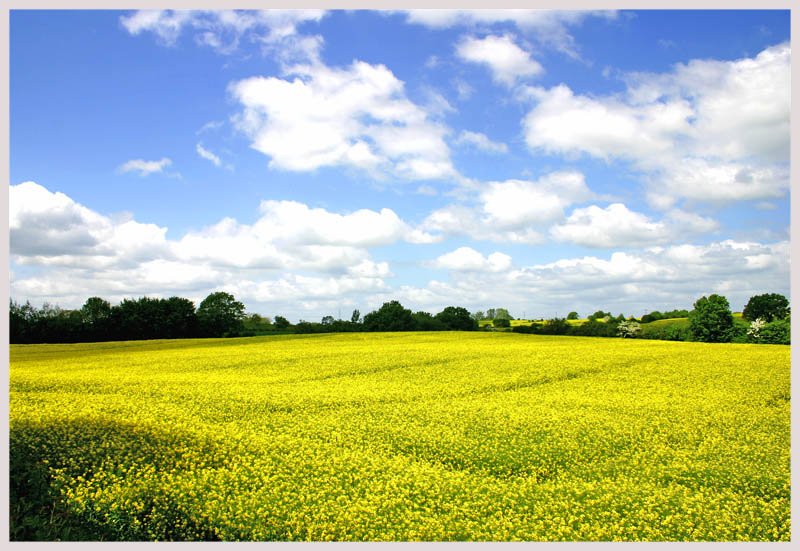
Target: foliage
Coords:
[(424, 321), (456, 318), (478, 316), (281, 323), (220, 314), (501, 322), (628, 329), (711, 320), (778, 331), (769, 306), (655, 315), (572, 316), (448, 436), (389, 317)]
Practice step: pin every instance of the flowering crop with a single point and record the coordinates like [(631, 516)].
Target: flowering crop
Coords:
[(408, 436)]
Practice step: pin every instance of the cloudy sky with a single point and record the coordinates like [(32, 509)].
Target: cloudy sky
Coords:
[(313, 162)]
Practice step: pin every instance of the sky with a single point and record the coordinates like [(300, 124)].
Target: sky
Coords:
[(315, 162)]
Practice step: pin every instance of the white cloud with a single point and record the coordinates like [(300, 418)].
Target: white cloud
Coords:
[(358, 117), (549, 27), (614, 226), (507, 61), (50, 229), (707, 130), (204, 153), (564, 123), (470, 260), (512, 211), (518, 203), (74, 253), (145, 168), (618, 227), (222, 30), (481, 141)]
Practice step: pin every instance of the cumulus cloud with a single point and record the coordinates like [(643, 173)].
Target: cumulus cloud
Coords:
[(358, 116), (145, 168), (513, 211), (660, 278), (707, 130), (480, 141), (618, 227), (517, 203), (507, 61), (51, 229), (548, 27), (222, 30), (84, 251), (469, 260)]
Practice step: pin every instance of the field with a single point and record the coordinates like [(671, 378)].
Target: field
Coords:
[(400, 436)]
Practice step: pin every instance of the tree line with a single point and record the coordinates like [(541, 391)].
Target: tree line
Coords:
[(219, 315), (766, 319)]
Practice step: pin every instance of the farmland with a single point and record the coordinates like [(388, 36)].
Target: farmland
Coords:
[(400, 436)]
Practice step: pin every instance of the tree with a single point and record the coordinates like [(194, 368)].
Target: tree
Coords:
[(572, 316), (502, 313), (769, 306), (501, 322), (356, 317), (711, 320), (478, 316), (220, 314), (490, 314), (424, 321), (389, 317), (95, 309), (281, 323), (457, 318), (327, 320), (181, 318)]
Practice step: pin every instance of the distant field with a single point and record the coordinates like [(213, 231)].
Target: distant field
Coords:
[(400, 436)]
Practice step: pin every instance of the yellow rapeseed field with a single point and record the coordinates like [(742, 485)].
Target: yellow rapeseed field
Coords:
[(408, 436)]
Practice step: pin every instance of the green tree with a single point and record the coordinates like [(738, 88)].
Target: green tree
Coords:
[(769, 306), (457, 318), (424, 321), (501, 322), (502, 313), (356, 317), (389, 317), (220, 314), (95, 309), (572, 316), (281, 323), (711, 320), (478, 316)]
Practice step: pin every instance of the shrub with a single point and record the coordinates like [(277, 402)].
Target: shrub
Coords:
[(628, 329), (501, 322)]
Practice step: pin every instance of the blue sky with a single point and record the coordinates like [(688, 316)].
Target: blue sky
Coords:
[(313, 162)]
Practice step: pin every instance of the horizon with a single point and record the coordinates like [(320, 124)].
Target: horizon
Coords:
[(314, 162)]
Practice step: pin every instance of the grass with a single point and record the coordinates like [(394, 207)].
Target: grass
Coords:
[(443, 436)]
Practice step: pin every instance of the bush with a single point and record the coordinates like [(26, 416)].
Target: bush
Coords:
[(555, 326), (501, 322), (776, 332), (628, 329)]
